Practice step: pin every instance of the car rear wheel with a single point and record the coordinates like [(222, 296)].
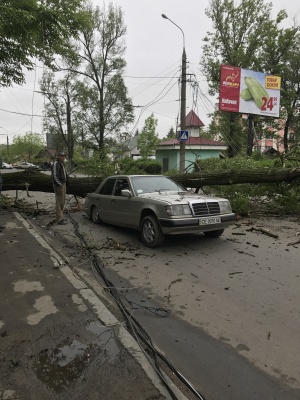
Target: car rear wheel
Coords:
[(151, 233), (95, 215), (214, 234)]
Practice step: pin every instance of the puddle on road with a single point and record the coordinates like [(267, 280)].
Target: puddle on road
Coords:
[(58, 368), (106, 336)]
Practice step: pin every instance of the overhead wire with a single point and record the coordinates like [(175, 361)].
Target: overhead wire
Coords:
[(19, 113), (145, 86), (145, 107), (158, 77)]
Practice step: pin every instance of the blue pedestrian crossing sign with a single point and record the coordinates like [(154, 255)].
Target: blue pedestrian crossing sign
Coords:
[(184, 135)]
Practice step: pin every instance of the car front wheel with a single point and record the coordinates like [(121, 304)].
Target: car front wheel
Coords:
[(214, 234), (95, 215), (151, 233)]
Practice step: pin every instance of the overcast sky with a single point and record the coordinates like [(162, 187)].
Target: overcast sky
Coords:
[(153, 55)]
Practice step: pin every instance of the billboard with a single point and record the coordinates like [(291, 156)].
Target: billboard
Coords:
[(249, 92)]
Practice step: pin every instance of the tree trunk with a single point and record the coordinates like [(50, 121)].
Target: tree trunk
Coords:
[(231, 177), (39, 182)]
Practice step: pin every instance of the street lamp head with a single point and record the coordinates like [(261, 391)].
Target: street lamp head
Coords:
[(165, 17)]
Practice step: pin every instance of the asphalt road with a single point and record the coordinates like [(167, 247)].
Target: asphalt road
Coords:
[(229, 319), (234, 303)]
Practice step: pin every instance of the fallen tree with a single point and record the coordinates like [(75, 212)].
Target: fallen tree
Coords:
[(36, 181), (79, 186), (233, 177)]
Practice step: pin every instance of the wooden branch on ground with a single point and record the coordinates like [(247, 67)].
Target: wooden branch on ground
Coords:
[(292, 243), (263, 230), (296, 242)]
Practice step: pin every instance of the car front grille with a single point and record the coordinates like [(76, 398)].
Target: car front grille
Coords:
[(209, 208)]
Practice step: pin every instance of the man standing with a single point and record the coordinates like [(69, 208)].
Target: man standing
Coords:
[(60, 182), (1, 226)]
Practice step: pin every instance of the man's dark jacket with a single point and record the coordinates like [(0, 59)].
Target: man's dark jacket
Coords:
[(58, 174)]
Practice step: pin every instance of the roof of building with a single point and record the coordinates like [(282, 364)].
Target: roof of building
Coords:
[(132, 142), (50, 153), (193, 141), (193, 121)]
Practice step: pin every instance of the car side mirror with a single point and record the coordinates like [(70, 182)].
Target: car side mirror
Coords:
[(126, 193)]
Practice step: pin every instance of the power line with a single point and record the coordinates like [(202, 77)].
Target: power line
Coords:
[(18, 113)]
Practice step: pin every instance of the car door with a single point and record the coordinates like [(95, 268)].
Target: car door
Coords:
[(104, 201), (123, 210)]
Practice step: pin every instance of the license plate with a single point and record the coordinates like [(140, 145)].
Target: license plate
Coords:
[(209, 220)]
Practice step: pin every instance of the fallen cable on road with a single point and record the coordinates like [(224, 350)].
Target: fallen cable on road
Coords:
[(133, 326)]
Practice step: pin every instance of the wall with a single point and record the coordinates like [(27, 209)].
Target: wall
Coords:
[(190, 156)]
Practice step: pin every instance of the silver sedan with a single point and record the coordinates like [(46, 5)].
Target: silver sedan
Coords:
[(157, 206)]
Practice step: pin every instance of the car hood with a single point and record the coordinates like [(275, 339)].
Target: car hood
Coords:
[(178, 197)]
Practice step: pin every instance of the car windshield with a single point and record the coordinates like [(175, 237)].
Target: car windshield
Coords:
[(150, 184)]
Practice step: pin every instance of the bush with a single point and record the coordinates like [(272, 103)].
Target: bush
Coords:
[(267, 198), (94, 167), (219, 164), (130, 166), (5, 202)]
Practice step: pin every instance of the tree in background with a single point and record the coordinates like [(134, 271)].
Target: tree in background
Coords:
[(61, 111), (32, 28), (148, 138), (240, 38), (212, 132), (26, 147), (98, 56), (171, 134), (287, 43)]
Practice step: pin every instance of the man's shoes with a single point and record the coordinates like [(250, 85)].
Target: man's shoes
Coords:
[(62, 222)]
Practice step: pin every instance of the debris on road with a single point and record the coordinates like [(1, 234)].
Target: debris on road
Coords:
[(263, 230)]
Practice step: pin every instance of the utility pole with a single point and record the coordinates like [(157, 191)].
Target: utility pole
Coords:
[(7, 142), (182, 100), (250, 134), (182, 112)]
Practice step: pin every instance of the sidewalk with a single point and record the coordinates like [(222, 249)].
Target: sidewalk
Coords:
[(57, 338)]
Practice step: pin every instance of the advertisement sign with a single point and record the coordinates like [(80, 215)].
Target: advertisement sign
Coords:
[(249, 92)]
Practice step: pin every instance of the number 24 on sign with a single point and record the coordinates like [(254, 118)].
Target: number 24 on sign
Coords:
[(269, 103)]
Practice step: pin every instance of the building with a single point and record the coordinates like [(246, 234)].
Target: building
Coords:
[(196, 147), (273, 139)]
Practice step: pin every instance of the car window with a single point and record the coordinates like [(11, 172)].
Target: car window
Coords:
[(152, 184), (108, 187), (121, 184)]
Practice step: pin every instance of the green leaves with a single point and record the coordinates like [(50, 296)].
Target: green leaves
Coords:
[(148, 138), (245, 35), (33, 28)]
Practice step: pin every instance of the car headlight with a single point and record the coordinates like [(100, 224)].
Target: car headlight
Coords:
[(224, 206), (178, 209)]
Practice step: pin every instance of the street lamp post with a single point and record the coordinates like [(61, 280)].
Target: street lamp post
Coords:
[(182, 100), (7, 142)]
